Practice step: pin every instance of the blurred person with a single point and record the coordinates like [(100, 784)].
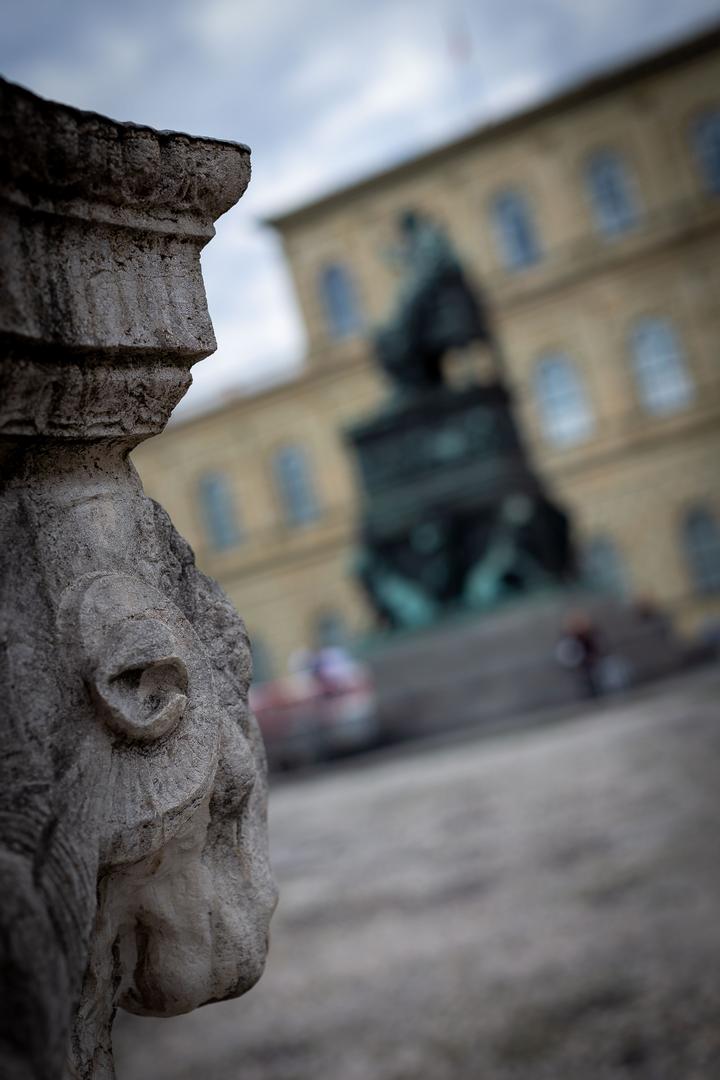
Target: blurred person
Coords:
[(332, 667), (579, 649)]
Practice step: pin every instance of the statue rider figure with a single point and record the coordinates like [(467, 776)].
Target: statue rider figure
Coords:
[(436, 309)]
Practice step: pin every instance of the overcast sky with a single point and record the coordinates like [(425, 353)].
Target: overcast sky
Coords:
[(324, 91)]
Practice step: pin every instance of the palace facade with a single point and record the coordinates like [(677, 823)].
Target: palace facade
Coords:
[(592, 224)]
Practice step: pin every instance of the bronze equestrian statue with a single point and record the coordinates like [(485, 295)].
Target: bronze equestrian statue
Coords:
[(436, 309), (454, 517)]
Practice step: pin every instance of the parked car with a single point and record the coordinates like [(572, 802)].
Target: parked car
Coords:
[(323, 710)]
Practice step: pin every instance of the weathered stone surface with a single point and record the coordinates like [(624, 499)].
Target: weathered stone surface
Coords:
[(133, 857)]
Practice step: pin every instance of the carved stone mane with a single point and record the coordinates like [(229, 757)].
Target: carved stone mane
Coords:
[(133, 861)]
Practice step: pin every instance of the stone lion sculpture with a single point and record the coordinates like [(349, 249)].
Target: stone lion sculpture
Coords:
[(133, 851)]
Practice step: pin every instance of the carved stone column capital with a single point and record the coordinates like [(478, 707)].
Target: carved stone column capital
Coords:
[(133, 856), (102, 307)]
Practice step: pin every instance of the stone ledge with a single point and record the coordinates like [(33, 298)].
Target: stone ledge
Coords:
[(102, 304), (58, 159)]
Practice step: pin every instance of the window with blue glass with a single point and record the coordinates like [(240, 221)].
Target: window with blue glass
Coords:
[(340, 302), (565, 411), (295, 484), (706, 140), (701, 541), (219, 513), (514, 230), (612, 192), (603, 567), (661, 376)]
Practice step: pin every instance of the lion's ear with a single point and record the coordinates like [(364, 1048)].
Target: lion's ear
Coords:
[(141, 682), (145, 692)]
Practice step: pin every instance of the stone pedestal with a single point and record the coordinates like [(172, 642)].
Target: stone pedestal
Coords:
[(133, 862), (453, 516), (470, 568), (498, 671)]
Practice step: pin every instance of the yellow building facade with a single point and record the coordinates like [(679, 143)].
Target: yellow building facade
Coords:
[(592, 225)]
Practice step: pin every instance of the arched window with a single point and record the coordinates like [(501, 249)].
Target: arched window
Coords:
[(330, 629), (514, 230), (706, 143), (612, 192), (340, 303), (294, 481), (564, 407), (603, 567), (218, 511), (661, 376), (262, 662), (701, 541)]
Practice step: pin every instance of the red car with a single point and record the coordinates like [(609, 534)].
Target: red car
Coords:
[(324, 710)]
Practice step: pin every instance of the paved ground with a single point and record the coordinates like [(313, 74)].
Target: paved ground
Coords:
[(538, 906)]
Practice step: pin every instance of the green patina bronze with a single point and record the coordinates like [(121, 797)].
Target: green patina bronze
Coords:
[(453, 516), (436, 309)]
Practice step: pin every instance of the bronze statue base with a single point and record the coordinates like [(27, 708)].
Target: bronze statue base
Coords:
[(453, 516)]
